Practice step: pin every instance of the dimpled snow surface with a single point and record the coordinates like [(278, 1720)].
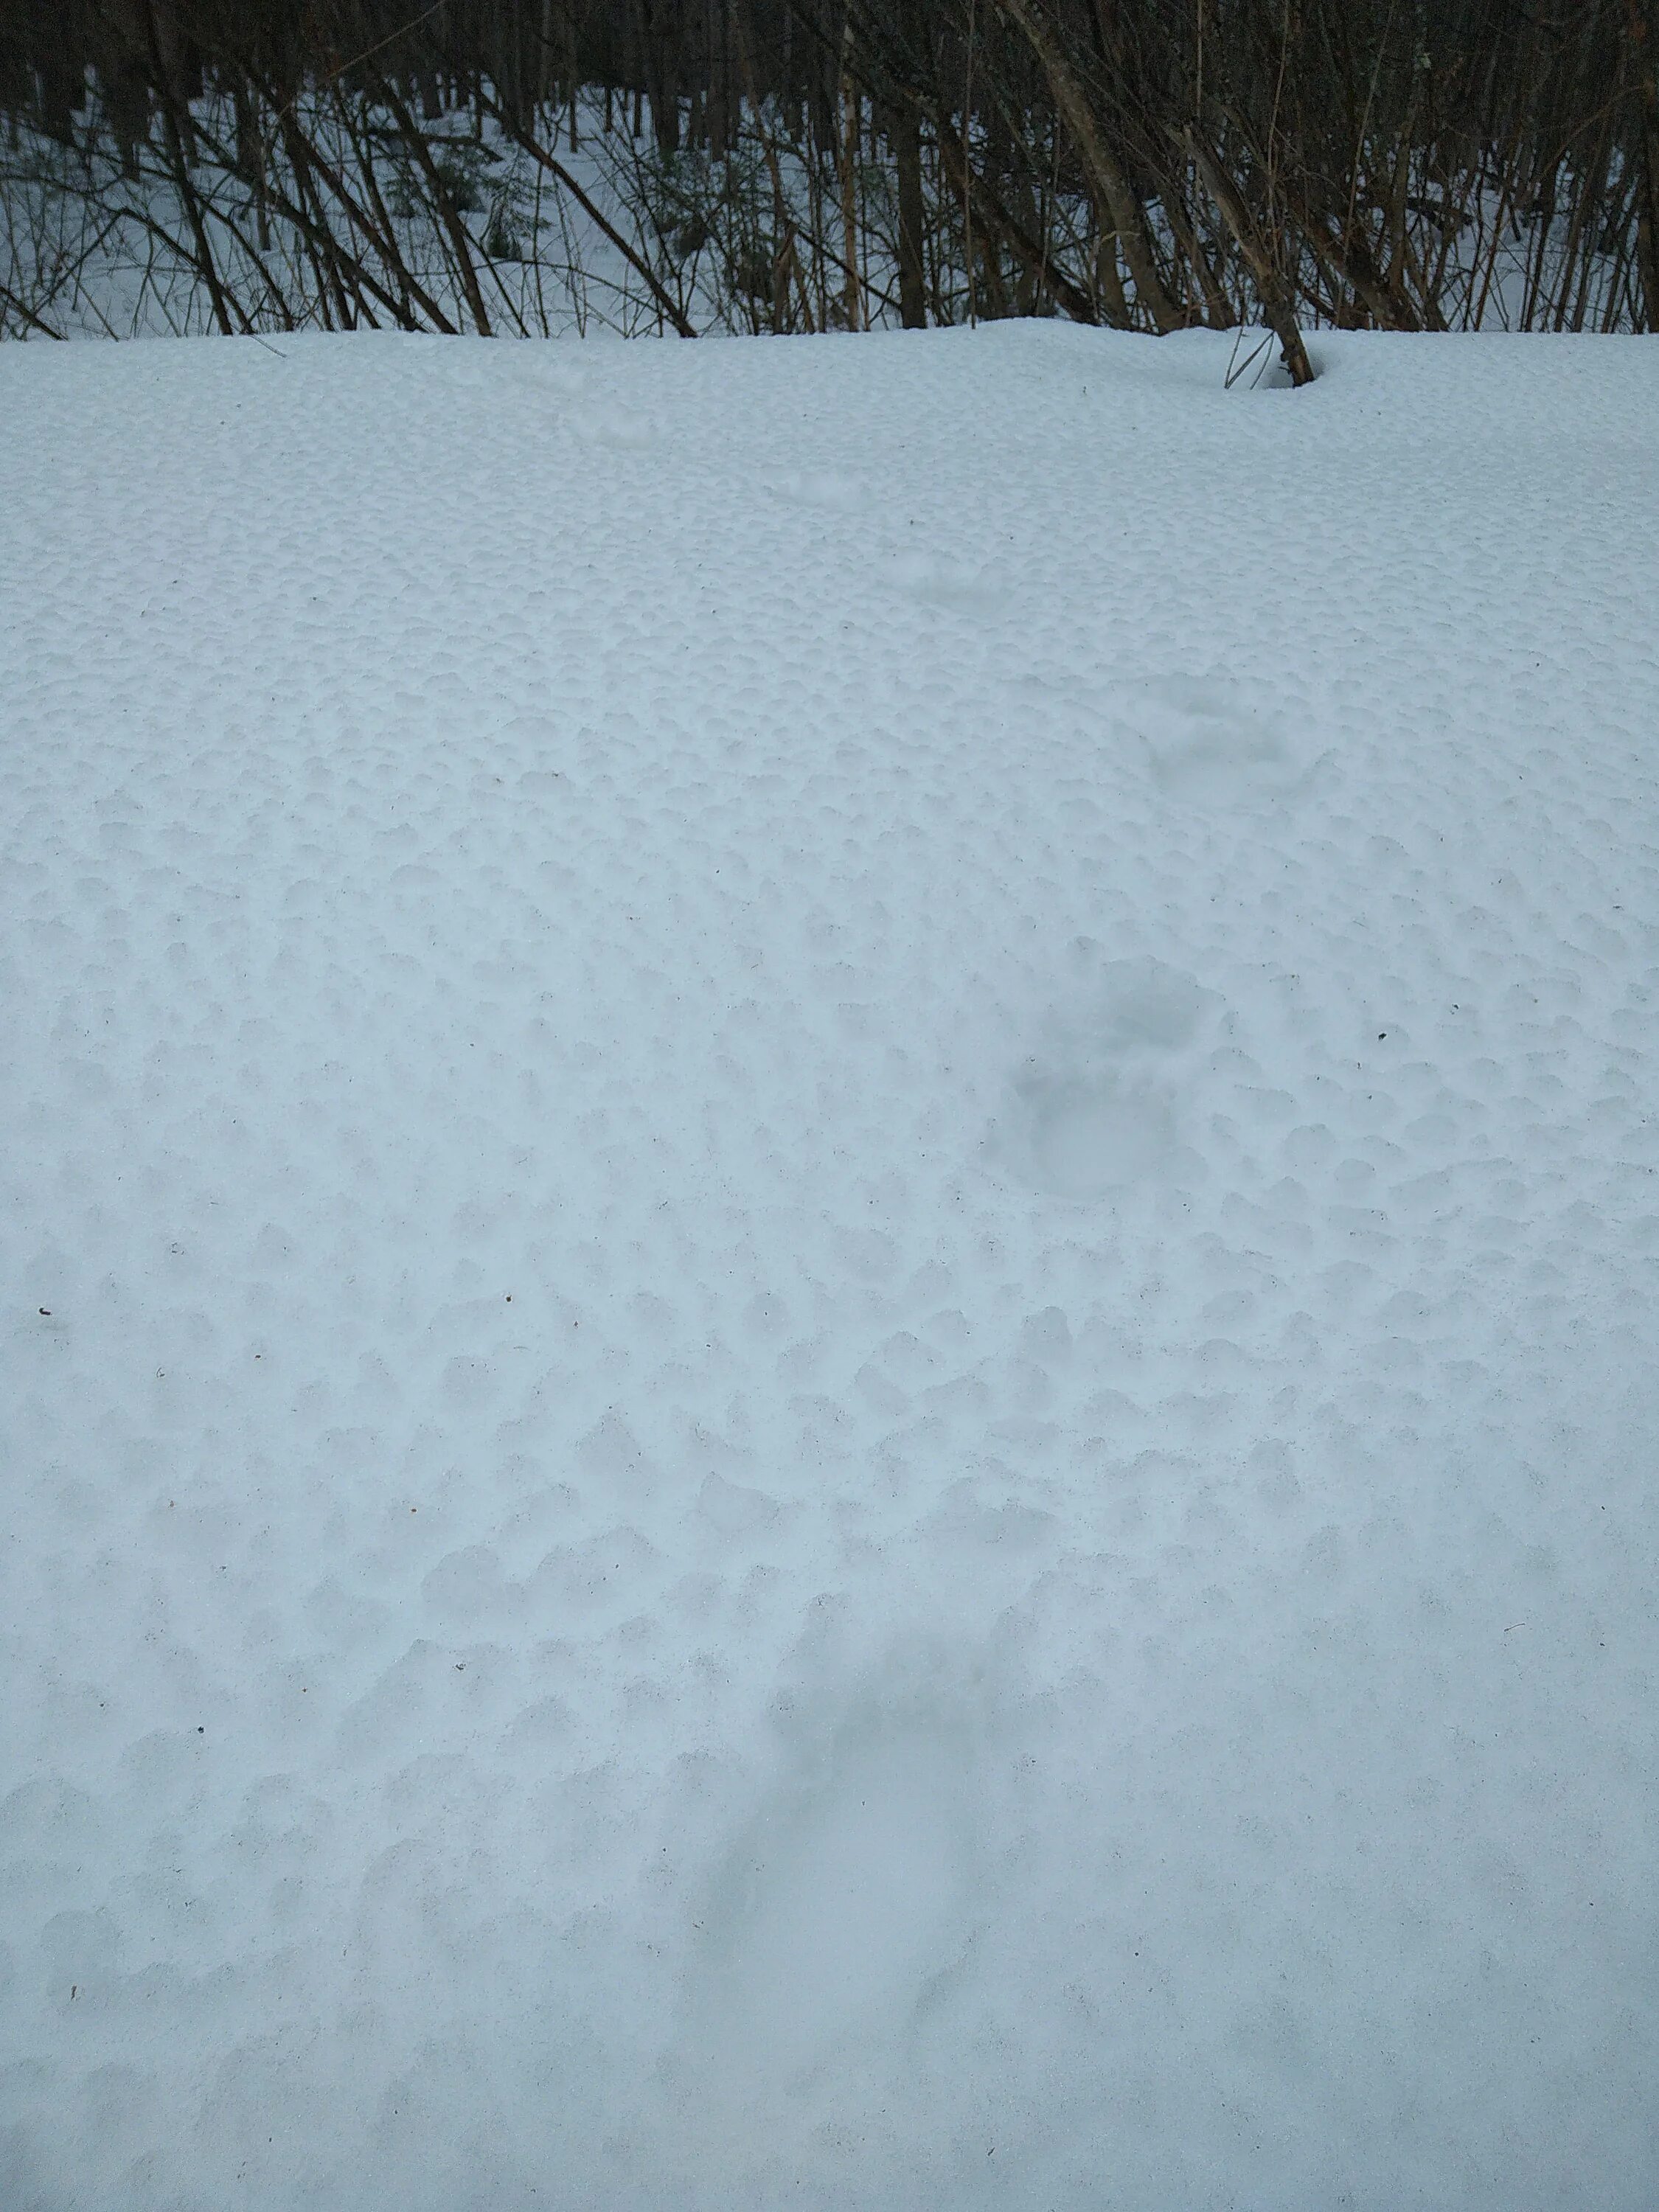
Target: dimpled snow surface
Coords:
[(828, 1247)]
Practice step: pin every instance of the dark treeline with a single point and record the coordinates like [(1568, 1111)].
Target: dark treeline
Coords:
[(780, 165)]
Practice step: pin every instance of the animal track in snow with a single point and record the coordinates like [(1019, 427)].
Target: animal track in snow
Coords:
[(563, 380), (843, 1903), (937, 580), (826, 489), (1095, 1107), (619, 428), (1208, 741)]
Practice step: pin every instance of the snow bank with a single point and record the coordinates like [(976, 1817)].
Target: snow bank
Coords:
[(829, 1275)]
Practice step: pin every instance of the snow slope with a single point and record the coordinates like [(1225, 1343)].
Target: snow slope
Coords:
[(828, 1248)]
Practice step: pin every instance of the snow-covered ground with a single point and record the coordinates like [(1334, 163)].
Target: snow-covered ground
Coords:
[(829, 1245)]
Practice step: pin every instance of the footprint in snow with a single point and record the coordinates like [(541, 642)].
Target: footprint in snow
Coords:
[(1095, 1107), (617, 427), (937, 580), (825, 490), (840, 1904), (563, 380), (1210, 741)]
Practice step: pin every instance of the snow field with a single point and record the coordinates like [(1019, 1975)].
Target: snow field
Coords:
[(829, 1274)]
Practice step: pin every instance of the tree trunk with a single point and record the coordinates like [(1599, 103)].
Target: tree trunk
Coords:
[(1276, 304), (1647, 90), (905, 127), (1119, 208)]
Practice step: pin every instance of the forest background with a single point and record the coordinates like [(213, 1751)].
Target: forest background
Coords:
[(549, 166)]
